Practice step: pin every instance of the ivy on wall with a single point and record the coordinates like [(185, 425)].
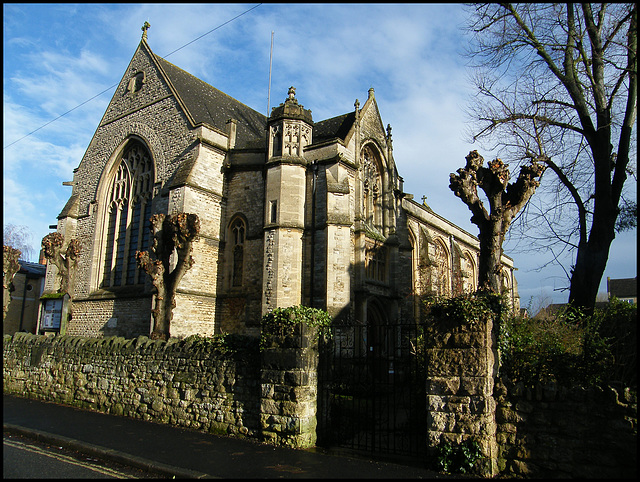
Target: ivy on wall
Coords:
[(281, 324)]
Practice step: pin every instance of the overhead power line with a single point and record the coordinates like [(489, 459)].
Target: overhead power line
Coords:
[(115, 85)]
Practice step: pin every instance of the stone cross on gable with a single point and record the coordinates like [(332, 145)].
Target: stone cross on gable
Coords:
[(144, 29), (424, 200)]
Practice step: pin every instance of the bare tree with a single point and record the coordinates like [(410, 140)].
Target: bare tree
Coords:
[(10, 267), (172, 243), (18, 237), (505, 200), (559, 82)]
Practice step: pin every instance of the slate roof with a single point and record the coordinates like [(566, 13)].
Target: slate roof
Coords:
[(623, 288), (33, 269), (336, 127), (206, 104)]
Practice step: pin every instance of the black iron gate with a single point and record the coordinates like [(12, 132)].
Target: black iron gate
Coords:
[(371, 391)]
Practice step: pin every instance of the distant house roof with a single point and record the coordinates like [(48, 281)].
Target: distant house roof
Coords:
[(32, 269), (623, 288), (554, 309)]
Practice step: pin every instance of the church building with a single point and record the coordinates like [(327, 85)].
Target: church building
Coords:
[(292, 211)]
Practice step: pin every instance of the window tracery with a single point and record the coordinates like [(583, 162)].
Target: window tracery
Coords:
[(129, 206), (441, 281), (376, 263), (372, 189)]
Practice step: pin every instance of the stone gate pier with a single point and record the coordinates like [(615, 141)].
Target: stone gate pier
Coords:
[(461, 360)]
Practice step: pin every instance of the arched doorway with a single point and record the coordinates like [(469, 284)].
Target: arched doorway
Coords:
[(379, 342)]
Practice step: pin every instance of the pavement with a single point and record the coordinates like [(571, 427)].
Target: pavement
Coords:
[(172, 451)]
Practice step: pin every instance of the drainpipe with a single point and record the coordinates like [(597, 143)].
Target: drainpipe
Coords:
[(24, 297)]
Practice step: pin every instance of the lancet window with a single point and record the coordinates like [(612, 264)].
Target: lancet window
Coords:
[(441, 280), (238, 233)]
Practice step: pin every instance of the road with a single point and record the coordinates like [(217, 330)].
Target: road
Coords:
[(23, 458)]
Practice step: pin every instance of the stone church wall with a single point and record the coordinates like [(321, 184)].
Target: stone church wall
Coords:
[(154, 117), (240, 308), (128, 317)]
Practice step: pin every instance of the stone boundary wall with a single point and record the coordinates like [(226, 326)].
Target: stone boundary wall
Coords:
[(550, 431), (271, 395), (185, 383)]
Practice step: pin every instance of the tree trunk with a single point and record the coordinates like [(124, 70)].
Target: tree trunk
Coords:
[(490, 259), (591, 261), (176, 232), (10, 266)]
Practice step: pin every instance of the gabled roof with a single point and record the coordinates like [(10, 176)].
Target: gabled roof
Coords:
[(206, 104)]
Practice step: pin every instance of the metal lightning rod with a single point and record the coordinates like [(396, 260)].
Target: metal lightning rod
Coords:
[(269, 89)]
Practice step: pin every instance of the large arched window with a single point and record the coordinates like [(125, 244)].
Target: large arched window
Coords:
[(441, 281), (371, 189), (128, 210), (376, 262)]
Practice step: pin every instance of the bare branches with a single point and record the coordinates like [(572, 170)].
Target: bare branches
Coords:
[(505, 200), (561, 80), (18, 237)]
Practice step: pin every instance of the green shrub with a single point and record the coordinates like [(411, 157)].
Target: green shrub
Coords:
[(463, 309), (572, 348), (534, 350), (611, 344)]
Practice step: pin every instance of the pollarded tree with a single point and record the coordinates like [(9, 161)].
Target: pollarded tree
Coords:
[(505, 200), (561, 79), (10, 266), (173, 237), (64, 258)]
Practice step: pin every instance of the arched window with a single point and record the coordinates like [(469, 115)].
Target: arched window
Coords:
[(470, 273), (238, 232), (129, 208), (276, 148), (371, 189), (376, 262), (441, 281)]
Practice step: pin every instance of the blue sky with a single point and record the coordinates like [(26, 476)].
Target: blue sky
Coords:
[(58, 56)]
